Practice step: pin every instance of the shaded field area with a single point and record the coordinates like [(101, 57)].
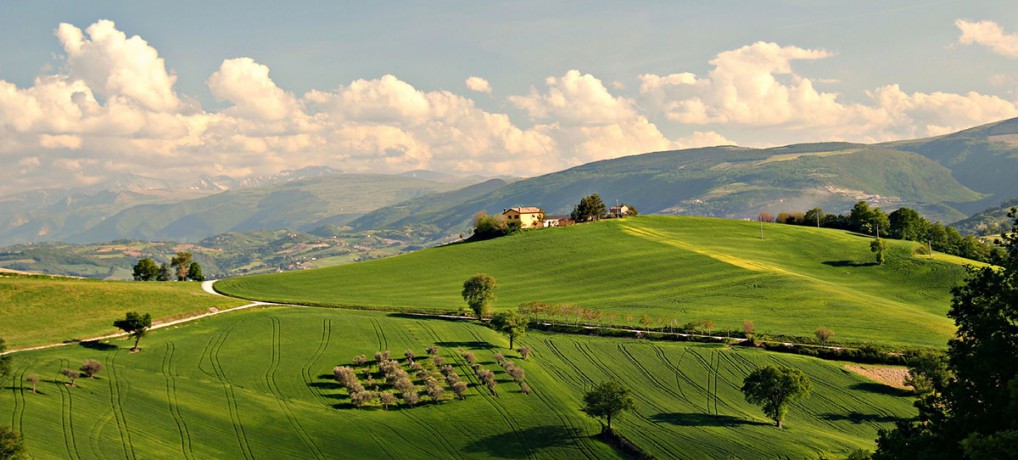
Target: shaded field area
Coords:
[(39, 310), (258, 384), (672, 269)]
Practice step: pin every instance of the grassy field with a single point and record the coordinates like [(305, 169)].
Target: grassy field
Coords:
[(677, 269), (39, 310), (257, 384)]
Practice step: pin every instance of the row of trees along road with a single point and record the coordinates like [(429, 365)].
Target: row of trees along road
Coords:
[(181, 265)]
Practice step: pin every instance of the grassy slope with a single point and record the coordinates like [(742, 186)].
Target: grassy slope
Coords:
[(259, 382), (38, 310), (682, 269)]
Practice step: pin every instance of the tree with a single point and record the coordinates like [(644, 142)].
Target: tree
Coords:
[(5, 360), (72, 374), (972, 414), (774, 387), (590, 208), (907, 224), (194, 272), (12, 445), (510, 323), (928, 372), (823, 334), (478, 292), (814, 216), (165, 273), (524, 352), (182, 263), (487, 227), (91, 367), (134, 325), (607, 400), (34, 380), (879, 246), (146, 270)]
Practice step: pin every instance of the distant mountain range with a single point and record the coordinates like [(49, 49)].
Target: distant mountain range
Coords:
[(945, 178)]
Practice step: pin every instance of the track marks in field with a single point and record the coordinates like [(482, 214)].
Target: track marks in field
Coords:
[(270, 382), (213, 349), (18, 387), (66, 420), (117, 396), (451, 451), (171, 401), (383, 344), (306, 370)]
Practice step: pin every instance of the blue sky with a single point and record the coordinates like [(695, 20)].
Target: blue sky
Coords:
[(242, 88)]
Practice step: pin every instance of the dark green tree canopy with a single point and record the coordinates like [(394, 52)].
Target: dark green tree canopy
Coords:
[(907, 224), (135, 325), (879, 247), (590, 208), (146, 270), (165, 273), (975, 413), (510, 323), (478, 292), (774, 387), (194, 272), (12, 446), (607, 400)]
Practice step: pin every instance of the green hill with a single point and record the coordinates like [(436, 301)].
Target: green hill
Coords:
[(258, 384), (672, 269), (39, 310), (990, 221)]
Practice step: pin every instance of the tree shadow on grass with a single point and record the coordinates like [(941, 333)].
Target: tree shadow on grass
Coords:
[(520, 444), (97, 345), (848, 263), (857, 418), (880, 388), (474, 345), (700, 419)]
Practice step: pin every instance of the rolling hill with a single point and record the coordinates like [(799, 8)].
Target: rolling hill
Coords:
[(672, 269), (258, 384)]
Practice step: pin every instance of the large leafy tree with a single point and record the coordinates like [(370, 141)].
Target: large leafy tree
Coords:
[(973, 414), (478, 292), (907, 224), (510, 323), (774, 387), (590, 208), (146, 270), (606, 401), (194, 272), (135, 325)]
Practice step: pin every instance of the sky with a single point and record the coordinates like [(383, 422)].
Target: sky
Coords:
[(93, 90)]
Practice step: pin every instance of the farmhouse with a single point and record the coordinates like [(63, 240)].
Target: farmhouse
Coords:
[(528, 217), (619, 211)]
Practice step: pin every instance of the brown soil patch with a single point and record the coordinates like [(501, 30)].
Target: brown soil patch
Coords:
[(887, 375)]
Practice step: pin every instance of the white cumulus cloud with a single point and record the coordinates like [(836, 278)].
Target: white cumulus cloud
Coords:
[(478, 84), (990, 35)]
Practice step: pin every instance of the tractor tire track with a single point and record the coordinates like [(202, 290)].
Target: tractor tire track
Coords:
[(117, 403), (231, 397), (18, 387), (270, 382), (66, 421), (592, 358), (305, 370), (452, 451), (171, 401), (484, 393), (383, 344), (566, 422), (647, 373)]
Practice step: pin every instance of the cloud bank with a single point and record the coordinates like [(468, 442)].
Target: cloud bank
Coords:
[(990, 35), (113, 108)]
